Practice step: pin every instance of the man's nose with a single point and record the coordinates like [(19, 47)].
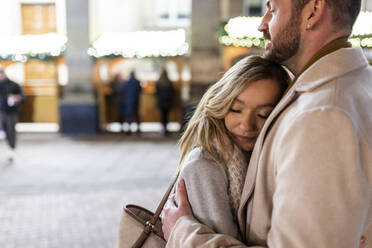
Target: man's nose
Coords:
[(263, 25)]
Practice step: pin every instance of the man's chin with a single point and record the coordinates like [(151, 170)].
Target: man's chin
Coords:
[(273, 56), (269, 46), (268, 54)]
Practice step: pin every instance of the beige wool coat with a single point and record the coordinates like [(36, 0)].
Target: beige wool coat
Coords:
[(309, 183)]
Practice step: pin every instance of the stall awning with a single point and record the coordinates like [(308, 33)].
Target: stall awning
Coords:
[(22, 47), (141, 44)]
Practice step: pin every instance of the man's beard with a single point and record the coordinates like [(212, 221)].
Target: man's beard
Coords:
[(286, 43)]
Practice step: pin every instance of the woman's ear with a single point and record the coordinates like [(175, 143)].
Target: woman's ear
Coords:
[(313, 13)]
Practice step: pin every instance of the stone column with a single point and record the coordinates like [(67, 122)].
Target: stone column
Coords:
[(205, 60), (366, 5), (236, 8), (78, 106)]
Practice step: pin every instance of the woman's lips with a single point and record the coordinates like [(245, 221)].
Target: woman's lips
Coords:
[(245, 139)]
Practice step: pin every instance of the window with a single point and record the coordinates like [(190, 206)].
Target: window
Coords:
[(173, 13), (253, 8), (38, 18)]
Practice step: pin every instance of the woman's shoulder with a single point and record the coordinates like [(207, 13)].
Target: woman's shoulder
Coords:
[(197, 164), (196, 156)]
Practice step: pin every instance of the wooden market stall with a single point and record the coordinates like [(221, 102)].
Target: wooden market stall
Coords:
[(34, 58), (106, 67)]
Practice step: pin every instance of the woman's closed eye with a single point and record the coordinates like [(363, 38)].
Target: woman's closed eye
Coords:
[(264, 113), (263, 116), (235, 110)]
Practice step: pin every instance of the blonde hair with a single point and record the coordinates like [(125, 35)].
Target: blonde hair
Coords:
[(206, 128)]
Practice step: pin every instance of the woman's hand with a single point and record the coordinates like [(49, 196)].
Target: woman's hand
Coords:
[(171, 212)]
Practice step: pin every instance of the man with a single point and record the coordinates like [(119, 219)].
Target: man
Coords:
[(132, 90), (119, 97), (10, 97), (309, 182)]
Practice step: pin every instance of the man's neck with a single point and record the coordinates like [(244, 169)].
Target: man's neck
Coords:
[(294, 64), (308, 50), (328, 48)]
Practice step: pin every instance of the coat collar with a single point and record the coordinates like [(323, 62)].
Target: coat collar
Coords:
[(330, 47), (322, 71), (337, 63)]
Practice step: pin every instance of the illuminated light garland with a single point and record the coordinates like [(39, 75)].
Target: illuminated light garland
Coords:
[(41, 46), (363, 24), (141, 44), (241, 27), (362, 30), (242, 31)]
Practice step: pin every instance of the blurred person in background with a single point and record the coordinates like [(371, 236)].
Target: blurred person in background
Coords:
[(11, 96), (132, 90), (119, 97), (164, 98)]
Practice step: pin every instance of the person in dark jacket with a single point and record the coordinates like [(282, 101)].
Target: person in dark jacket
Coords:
[(132, 90), (119, 97), (164, 97), (11, 96)]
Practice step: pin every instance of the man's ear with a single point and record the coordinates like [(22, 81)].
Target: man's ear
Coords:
[(313, 13)]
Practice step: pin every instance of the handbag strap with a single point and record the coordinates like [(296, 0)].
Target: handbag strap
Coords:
[(150, 225), (160, 207)]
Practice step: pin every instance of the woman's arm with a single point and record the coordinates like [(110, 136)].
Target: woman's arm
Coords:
[(181, 229), (207, 189)]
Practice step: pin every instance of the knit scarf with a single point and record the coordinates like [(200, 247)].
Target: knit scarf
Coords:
[(236, 169)]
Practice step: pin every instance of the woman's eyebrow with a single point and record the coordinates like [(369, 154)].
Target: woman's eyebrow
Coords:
[(266, 105), (258, 106), (238, 100)]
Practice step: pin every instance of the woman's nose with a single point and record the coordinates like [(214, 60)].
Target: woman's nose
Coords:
[(248, 122)]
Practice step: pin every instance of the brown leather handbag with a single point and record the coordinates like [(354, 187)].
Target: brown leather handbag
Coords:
[(140, 227)]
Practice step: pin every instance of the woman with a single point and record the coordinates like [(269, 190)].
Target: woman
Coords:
[(164, 98), (118, 97), (217, 144)]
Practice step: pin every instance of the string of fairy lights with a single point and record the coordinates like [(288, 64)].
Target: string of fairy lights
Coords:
[(141, 44), (138, 44), (242, 32), (238, 32), (23, 47)]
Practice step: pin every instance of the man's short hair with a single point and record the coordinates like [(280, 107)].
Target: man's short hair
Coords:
[(344, 12)]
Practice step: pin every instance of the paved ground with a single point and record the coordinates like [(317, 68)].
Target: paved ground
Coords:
[(69, 192)]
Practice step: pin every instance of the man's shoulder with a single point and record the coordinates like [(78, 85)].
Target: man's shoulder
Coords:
[(343, 65), (345, 92), (346, 99)]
